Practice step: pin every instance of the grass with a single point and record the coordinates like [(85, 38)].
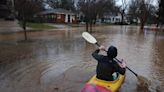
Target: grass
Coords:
[(76, 25), (38, 26)]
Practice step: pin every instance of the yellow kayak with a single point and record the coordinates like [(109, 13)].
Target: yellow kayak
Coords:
[(112, 86)]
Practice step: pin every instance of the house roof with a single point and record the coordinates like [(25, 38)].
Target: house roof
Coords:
[(57, 11)]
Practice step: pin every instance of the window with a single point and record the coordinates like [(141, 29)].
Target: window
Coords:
[(58, 16)]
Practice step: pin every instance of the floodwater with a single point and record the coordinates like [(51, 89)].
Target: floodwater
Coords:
[(61, 61)]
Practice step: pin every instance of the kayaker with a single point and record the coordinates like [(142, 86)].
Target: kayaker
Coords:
[(107, 65)]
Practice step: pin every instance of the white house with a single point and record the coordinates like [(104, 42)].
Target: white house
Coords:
[(112, 18)]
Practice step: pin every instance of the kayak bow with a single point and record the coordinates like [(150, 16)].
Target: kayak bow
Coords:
[(111, 86)]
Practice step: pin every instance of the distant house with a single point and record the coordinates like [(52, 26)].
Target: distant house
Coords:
[(133, 19), (80, 17), (112, 18), (58, 16)]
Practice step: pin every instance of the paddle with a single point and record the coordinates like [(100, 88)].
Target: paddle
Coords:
[(92, 40)]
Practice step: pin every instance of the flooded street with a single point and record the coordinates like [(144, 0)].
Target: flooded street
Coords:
[(61, 61)]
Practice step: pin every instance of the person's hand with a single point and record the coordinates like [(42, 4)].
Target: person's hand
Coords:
[(123, 64), (102, 48)]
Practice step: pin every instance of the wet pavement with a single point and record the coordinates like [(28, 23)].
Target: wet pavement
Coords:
[(9, 26), (61, 61)]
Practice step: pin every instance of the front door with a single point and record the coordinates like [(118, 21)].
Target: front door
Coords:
[(68, 18)]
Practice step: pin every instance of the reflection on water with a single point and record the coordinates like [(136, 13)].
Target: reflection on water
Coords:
[(60, 60)]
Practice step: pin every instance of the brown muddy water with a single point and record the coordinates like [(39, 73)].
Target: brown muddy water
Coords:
[(61, 61)]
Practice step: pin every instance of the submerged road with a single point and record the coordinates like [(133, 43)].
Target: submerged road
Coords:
[(61, 61)]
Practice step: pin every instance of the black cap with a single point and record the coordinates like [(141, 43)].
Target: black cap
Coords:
[(112, 52)]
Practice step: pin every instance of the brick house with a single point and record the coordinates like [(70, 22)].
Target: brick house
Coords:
[(58, 16)]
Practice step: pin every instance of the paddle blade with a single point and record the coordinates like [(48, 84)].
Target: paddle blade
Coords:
[(143, 81), (89, 37)]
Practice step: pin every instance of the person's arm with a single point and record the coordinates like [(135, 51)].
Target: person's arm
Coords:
[(96, 55), (121, 68)]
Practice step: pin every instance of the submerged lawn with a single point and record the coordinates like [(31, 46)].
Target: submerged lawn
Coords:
[(38, 26)]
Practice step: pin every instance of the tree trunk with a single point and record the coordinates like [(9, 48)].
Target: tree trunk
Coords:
[(122, 18), (94, 21), (142, 25), (87, 26), (143, 20), (91, 26), (158, 20), (24, 27)]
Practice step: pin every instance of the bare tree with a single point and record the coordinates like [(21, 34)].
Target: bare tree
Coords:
[(26, 10), (160, 12), (142, 13), (53, 3), (65, 4), (93, 9), (133, 11), (123, 8), (142, 9), (84, 7)]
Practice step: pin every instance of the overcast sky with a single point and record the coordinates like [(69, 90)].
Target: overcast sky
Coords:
[(118, 2), (154, 2)]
